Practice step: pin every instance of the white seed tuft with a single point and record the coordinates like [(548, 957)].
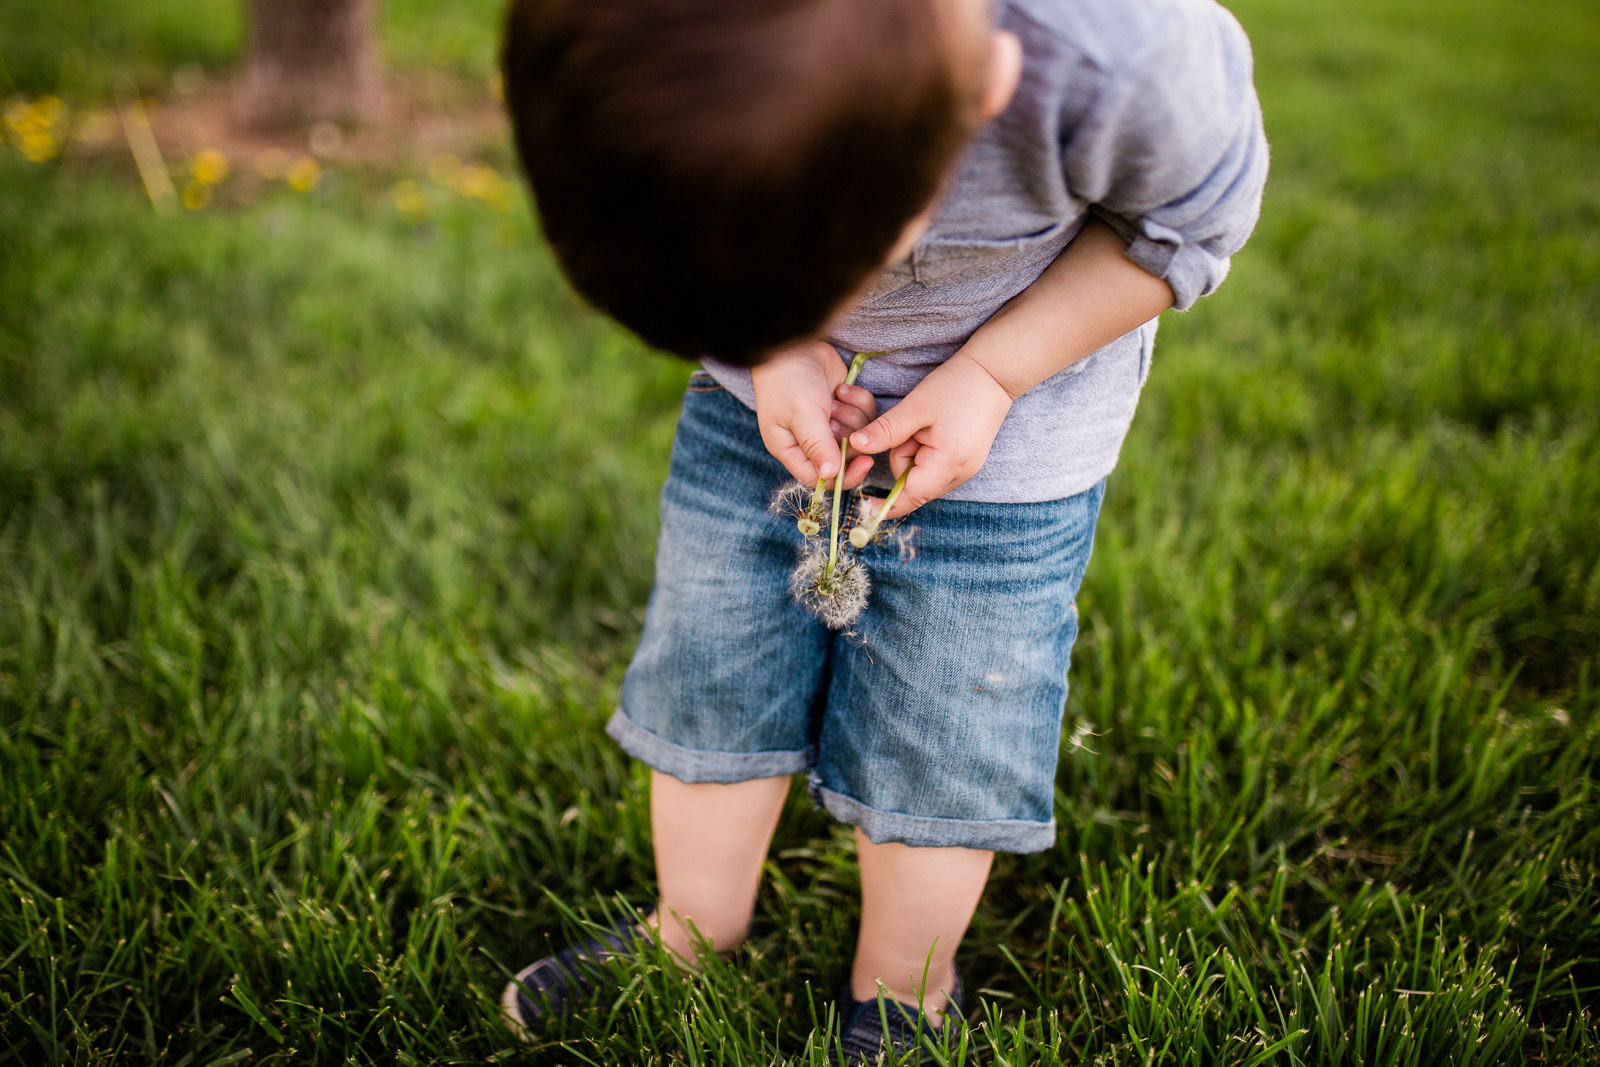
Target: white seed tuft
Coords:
[(791, 499), (838, 599)]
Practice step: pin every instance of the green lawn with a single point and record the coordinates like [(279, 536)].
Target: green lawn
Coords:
[(324, 538)]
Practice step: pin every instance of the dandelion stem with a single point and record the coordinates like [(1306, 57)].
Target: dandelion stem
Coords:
[(871, 529), (856, 364), (838, 491)]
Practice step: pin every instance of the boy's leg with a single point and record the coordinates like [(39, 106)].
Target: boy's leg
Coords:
[(914, 900), (719, 696), (710, 841), (942, 725)]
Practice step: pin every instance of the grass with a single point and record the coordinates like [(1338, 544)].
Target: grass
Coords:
[(87, 47), (324, 538)]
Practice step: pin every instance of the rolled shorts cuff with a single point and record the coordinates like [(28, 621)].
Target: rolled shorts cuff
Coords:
[(693, 766), (920, 831)]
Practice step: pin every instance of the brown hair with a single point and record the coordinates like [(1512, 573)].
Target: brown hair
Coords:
[(721, 175)]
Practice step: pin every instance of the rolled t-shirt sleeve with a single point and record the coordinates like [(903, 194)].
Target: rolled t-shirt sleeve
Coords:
[(1172, 154)]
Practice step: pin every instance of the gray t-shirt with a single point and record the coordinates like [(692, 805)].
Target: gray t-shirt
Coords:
[(1141, 111)]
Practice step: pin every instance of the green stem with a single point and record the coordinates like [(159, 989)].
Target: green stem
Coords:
[(894, 494), (856, 364), (899, 486), (870, 531), (838, 491)]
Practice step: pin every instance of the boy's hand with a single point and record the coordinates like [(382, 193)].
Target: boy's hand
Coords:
[(804, 409), (948, 422)]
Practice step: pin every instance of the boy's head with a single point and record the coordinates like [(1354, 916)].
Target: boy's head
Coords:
[(721, 175)]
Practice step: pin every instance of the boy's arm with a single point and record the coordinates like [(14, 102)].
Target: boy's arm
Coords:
[(1091, 295), (1173, 157)]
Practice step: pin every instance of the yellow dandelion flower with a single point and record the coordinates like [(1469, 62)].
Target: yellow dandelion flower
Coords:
[(505, 196), (303, 174), (19, 114), (38, 146), (485, 183), (442, 169), (409, 200), (50, 111), (196, 194), (38, 127), (477, 182), (271, 163), (208, 166)]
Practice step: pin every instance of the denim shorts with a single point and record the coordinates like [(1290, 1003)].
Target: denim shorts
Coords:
[(934, 720)]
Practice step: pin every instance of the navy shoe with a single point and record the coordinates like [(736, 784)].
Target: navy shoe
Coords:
[(557, 984), (866, 1033)]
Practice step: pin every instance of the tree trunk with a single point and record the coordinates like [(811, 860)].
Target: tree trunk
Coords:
[(310, 61)]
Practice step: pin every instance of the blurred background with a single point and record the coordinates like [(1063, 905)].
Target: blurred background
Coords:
[(242, 94), (326, 523)]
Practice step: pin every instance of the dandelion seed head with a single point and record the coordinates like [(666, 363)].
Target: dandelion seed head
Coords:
[(791, 499), (838, 600), (860, 537), (1079, 732), (808, 526), (803, 580)]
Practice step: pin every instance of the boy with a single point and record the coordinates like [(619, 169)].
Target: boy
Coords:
[(1001, 199)]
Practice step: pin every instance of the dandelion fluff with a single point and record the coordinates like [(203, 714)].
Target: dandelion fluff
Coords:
[(798, 502), (837, 599), (790, 500)]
